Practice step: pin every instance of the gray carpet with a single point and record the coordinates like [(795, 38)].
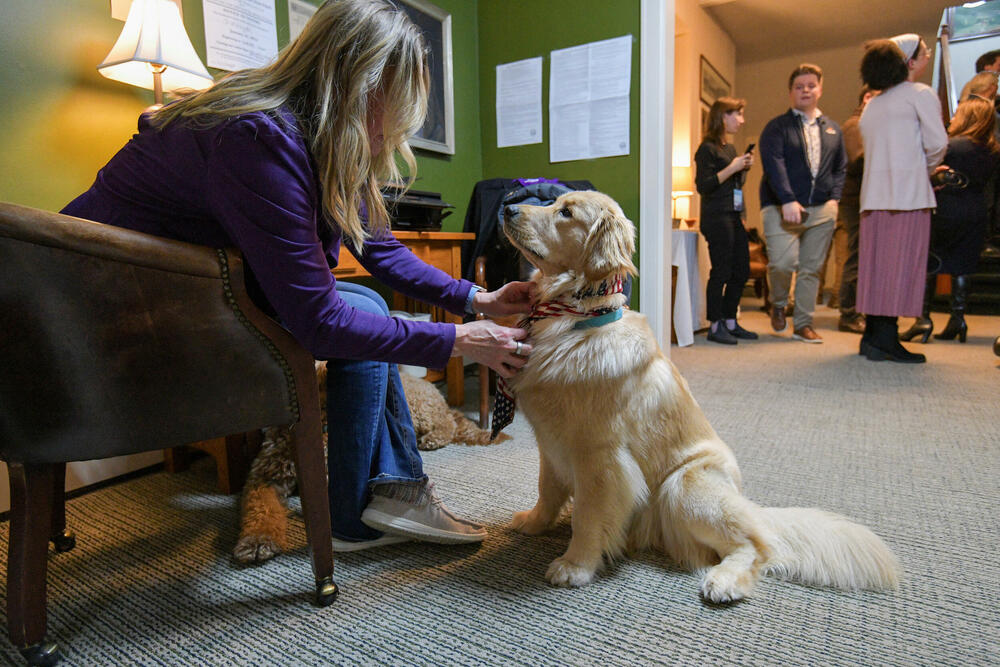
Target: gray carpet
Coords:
[(910, 451)]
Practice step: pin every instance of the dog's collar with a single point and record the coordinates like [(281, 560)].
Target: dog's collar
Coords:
[(616, 285), (599, 320)]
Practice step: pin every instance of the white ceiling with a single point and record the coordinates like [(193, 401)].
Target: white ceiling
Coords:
[(766, 29)]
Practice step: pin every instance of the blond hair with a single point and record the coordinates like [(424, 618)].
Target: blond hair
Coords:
[(975, 118), (350, 52)]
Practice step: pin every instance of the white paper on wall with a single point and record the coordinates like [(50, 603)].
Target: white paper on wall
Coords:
[(299, 13), (519, 103), (240, 33), (589, 88)]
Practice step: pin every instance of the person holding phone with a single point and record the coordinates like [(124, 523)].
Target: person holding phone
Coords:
[(719, 176), (804, 160)]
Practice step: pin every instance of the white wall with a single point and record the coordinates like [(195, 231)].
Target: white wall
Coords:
[(696, 34)]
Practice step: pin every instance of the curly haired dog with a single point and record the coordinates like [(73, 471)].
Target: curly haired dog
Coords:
[(263, 514)]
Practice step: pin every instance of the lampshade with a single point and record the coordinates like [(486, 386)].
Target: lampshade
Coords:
[(154, 39), (683, 182)]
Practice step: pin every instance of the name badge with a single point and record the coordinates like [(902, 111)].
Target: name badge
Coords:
[(737, 199)]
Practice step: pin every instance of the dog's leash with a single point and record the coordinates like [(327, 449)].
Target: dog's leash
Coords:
[(505, 403)]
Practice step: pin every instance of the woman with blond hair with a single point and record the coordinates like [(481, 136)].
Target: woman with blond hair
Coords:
[(961, 220), (719, 176), (284, 162)]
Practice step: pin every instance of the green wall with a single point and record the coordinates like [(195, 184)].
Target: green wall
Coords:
[(511, 30), (63, 121)]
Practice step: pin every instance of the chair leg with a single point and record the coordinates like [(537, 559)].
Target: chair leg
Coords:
[(484, 395), (62, 539), (31, 510), (310, 469)]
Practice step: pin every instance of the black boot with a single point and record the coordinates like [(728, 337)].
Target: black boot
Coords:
[(871, 325), (885, 343), (959, 299), (923, 326)]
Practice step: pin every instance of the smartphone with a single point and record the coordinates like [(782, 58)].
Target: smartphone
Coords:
[(749, 149)]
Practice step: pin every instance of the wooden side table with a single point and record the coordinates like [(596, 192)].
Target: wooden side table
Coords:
[(444, 251)]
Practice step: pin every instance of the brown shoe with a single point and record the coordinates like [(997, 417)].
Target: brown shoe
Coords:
[(807, 335), (778, 322)]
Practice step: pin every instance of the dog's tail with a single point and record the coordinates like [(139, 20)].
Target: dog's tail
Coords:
[(826, 549), (467, 432)]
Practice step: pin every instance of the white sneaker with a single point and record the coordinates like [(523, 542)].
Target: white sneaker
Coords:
[(344, 545), (419, 515)]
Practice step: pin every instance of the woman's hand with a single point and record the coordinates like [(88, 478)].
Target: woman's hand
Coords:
[(486, 342), (741, 162), (511, 299), (938, 170)]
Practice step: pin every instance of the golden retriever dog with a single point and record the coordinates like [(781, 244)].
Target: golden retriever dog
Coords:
[(620, 433)]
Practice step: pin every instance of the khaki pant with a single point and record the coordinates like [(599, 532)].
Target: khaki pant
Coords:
[(799, 249)]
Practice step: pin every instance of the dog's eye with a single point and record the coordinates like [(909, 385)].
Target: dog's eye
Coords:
[(565, 212)]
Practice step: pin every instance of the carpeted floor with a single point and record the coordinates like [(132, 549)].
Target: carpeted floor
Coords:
[(913, 452)]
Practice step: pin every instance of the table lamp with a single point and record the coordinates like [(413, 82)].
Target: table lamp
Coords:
[(153, 51), (682, 186)]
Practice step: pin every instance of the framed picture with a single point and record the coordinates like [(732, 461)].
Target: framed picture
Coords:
[(438, 131), (704, 118), (713, 86), (972, 22)]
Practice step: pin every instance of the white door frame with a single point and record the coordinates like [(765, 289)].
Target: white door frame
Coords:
[(656, 113)]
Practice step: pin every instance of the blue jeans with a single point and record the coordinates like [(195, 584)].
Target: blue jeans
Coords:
[(370, 434)]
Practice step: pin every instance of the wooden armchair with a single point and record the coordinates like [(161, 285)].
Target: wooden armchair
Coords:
[(115, 342)]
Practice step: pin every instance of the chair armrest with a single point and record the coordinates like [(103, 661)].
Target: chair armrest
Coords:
[(106, 241)]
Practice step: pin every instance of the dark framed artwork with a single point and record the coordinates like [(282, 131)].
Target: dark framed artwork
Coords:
[(704, 117), (438, 131), (973, 22), (712, 85)]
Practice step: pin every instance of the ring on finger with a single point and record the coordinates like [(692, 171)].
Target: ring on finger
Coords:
[(517, 349)]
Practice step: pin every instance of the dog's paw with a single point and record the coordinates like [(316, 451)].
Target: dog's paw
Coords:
[(562, 572), (722, 584), (529, 523), (255, 549)]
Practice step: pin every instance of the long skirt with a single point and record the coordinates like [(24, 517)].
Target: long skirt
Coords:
[(892, 262)]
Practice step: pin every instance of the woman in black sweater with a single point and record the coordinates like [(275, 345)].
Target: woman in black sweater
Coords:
[(961, 221), (719, 175)]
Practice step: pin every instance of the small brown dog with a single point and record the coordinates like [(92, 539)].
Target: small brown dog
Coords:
[(263, 514)]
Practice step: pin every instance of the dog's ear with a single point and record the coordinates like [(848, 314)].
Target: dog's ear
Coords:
[(610, 246)]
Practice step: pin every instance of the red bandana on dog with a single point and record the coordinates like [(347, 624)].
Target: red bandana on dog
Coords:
[(504, 405)]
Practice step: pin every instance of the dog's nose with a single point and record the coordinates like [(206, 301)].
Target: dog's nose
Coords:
[(510, 212)]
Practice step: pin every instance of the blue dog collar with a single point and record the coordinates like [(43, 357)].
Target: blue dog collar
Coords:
[(600, 320)]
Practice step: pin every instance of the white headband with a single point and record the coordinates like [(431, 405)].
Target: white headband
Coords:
[(908, 43)]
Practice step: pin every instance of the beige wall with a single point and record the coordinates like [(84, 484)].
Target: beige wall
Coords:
[(695, 35)]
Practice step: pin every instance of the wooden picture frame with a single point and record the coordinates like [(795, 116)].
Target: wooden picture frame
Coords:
[(712, 85), (438, 131)]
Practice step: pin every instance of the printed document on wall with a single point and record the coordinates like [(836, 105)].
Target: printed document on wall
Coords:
[(519, 103), (299, 13), (240, 33), (589, 89)]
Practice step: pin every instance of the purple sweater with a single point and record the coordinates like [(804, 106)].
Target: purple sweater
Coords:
[(251, 183)]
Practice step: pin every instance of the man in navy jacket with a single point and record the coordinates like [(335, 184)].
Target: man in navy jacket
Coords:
[(802, 153)]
